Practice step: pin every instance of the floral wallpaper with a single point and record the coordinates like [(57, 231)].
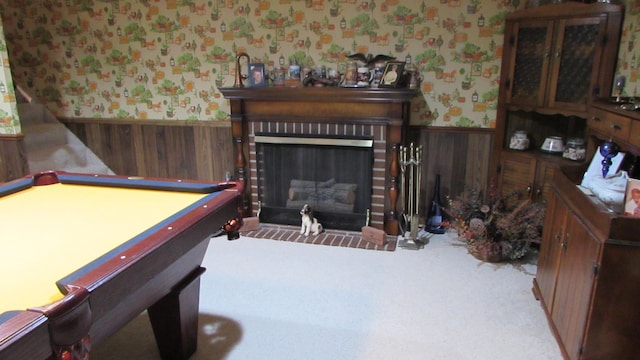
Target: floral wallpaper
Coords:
[(9, 122), (151, 59)]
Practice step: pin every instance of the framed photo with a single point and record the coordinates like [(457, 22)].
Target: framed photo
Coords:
[(632, 198), (392, 75), (257, 76)]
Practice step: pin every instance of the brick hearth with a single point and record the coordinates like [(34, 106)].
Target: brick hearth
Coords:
[(329, 237)]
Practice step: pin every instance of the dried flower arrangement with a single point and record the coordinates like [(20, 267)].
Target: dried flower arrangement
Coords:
[(500, 228)]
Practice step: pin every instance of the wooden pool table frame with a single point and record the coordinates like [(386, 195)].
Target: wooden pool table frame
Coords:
[(161, 274)]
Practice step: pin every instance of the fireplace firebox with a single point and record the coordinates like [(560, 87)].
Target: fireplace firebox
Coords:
[(331, 174), (305, 119)]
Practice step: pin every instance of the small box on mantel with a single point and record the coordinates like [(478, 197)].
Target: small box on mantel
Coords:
[(373, 235)]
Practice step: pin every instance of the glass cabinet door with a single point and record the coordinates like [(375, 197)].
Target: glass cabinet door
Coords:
[(529, 62), (576, 52)]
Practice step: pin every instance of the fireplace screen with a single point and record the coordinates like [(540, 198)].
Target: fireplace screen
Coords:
[(331, 174)]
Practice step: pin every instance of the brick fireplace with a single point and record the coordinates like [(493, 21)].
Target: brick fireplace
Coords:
[(377, 115)]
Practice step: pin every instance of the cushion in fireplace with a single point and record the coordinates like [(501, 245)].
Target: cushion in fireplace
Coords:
[(322, 195)]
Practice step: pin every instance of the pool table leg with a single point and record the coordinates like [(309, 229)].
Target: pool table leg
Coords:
[(174, 318)]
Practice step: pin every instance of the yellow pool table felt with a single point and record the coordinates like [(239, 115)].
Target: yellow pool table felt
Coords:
[(50, 231)]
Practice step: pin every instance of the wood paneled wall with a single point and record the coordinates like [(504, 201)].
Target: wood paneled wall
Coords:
[(460, 155), (187, 150), (13, 161), (204, 151)]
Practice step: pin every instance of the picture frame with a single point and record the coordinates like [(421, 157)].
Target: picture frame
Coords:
[(257, 75), (393, 73), (632, 198)]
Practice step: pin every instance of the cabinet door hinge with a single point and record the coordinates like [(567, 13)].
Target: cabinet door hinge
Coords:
[(595, 270), (512, 40), (596, 90)]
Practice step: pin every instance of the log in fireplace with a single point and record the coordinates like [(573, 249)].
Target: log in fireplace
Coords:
[(320, 125)]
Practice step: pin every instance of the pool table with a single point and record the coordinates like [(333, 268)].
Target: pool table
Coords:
[(81, 255)]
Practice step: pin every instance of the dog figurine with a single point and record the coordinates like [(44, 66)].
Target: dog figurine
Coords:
[(309, 223)]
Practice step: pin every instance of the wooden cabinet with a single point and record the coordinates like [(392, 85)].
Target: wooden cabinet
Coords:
[(577, 269), (527, 173), (587, 277), (613, 125), (557, 58), (608, 120)]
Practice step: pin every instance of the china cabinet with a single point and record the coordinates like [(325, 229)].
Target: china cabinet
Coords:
[(556, 59)]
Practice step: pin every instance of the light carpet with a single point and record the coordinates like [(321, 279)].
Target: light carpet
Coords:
[(265, 299)]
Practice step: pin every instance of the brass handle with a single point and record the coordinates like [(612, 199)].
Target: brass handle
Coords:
[(565, 243), (616, 127), (595, 118)]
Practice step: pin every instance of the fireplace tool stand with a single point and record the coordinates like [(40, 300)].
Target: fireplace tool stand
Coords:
[(410, 167)]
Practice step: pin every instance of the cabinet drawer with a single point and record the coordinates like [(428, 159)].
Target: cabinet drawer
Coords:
[(634, 135), (610, 124)]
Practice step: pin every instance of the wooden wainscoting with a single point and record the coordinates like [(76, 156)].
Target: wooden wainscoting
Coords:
[(174, 149), (13, 159), (204, 151), (460, 155)]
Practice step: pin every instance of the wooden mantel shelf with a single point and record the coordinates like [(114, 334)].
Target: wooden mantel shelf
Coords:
[(320, 94)]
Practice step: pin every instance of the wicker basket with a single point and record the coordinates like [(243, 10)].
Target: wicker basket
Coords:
[(486, 250)]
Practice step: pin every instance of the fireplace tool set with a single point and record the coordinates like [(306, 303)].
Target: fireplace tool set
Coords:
[(410, 166)]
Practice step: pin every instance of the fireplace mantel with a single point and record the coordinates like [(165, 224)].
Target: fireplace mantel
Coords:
[(381, 113)]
